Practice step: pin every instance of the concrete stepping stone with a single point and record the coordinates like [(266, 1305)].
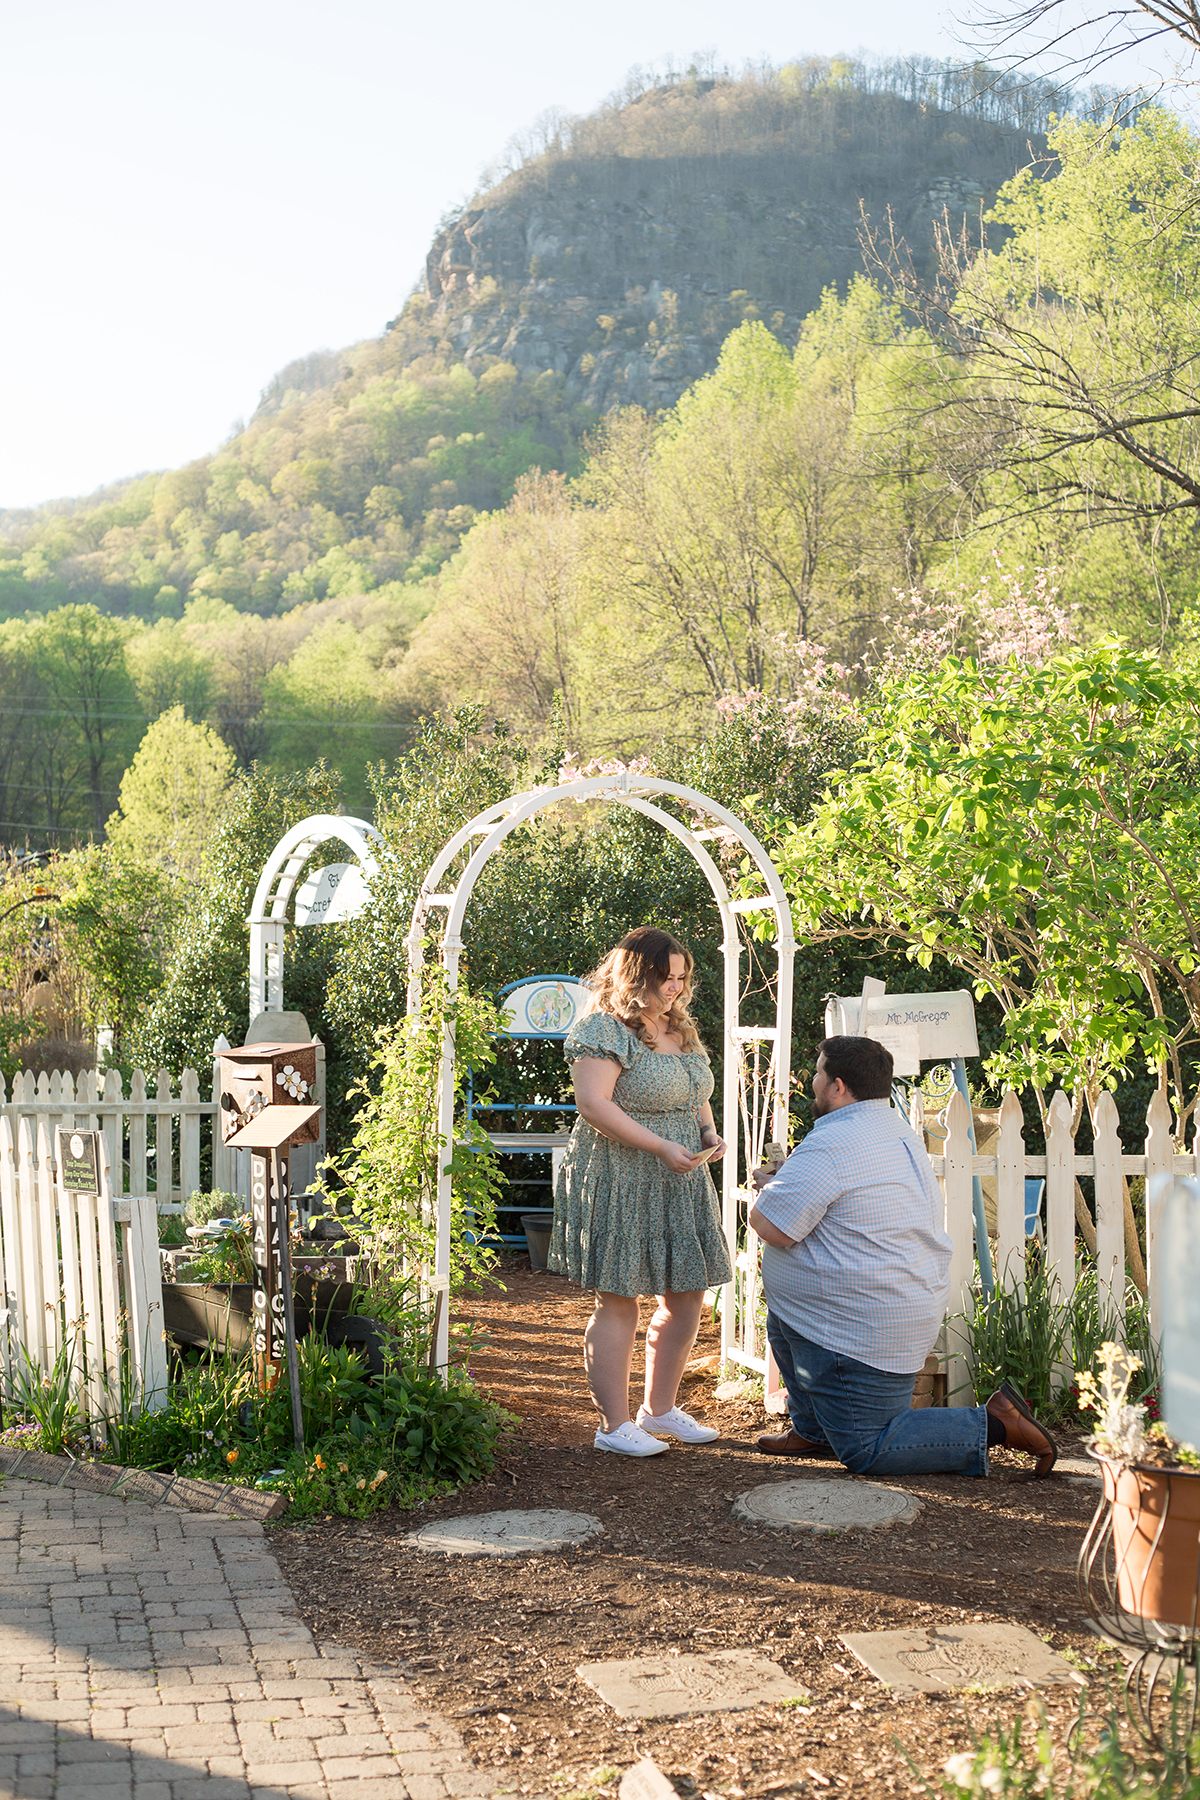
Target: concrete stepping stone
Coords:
[(666, 1687), (506, 1533), (1077, 1468), (827, 1506), (933, 1659)]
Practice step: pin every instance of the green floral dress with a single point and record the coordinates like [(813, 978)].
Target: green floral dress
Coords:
[(623, 1223)]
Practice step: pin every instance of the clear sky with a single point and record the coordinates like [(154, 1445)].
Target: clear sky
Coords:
[(194, 192)]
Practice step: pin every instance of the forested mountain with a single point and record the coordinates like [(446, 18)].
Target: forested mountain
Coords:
[(645, 403), (607, 269)]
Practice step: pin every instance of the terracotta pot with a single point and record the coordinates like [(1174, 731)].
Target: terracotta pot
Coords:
[(1156, 1540)]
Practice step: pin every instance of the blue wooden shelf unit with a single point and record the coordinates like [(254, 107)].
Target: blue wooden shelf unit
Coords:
[(536, 1007)]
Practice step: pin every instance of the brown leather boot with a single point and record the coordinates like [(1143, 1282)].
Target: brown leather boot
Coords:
[(790, 1443), (1021, 1429)]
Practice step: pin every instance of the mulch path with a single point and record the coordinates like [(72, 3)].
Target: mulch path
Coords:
[(494, 1644)]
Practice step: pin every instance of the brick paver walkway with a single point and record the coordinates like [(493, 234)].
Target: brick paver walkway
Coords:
[(157, 1655)]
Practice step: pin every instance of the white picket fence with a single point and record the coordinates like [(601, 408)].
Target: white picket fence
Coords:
[(1009, 1167), (154, 1140), (1060, 1168), (80, 1271)]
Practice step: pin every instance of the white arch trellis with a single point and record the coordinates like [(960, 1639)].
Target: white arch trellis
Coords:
[(268, 914), (744, 1079)]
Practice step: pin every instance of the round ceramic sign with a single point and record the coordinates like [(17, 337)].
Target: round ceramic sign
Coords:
[(544, 1008)]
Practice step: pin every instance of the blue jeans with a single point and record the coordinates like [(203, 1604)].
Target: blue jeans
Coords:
[(866, 1415)]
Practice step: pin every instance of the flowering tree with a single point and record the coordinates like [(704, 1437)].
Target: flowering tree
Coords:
[(1037, 822)]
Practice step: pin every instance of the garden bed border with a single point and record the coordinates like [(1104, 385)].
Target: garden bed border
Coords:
[(182, 1491)]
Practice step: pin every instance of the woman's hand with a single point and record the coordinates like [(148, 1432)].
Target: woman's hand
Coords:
[(676, 1158), (710, 1141)]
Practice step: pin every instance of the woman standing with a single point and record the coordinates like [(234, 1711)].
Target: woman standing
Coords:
[(635, 1210)]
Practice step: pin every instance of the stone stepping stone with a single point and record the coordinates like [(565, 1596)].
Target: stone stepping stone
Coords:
[(933, 1659), (1077, 1468), (506, 1533), (827, 1506), (666, 1687)]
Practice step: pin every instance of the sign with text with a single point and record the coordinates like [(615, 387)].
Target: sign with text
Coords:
[(904, 1043), (335, 893), (945, 1023), (78, 1160), (269, 1335)]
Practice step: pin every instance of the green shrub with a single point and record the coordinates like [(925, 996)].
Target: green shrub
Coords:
[(219, 1425)]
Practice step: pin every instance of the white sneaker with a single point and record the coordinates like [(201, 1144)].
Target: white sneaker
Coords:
[(627, 1440), (677, 1424)]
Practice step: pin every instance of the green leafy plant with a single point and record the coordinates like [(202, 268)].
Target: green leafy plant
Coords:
[(397, 1153), (227, 1258), (50, 1401), (1022, 1760), (1025, 1332)]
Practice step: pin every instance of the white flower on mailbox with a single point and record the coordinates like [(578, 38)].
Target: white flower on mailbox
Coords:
[(292, 1082)]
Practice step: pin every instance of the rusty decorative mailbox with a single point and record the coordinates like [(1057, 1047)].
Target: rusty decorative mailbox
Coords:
[(268, 1094)]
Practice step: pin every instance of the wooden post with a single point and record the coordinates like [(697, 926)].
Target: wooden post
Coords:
[(1110, 1214), (1160, 1167), (189, 1134), (137, 1132), (222, 1158), (1010, 1194), (1060, 1197), (12, 1332), (960, 1225)]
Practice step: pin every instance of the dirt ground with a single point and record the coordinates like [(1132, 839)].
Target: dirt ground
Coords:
[(495, 1643)]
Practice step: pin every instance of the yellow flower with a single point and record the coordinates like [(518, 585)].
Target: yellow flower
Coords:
[(361, 1482), (381, 1476), (343, 1468), (231, 1457), (319, 1461)]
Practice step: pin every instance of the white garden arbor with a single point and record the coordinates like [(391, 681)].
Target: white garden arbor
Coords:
[(272, 896), (753, 1091)]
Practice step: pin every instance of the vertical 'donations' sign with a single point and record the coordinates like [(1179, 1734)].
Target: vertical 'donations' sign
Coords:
[(267, 1208)]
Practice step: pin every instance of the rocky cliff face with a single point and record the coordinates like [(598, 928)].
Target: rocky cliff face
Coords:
[(624, 274)]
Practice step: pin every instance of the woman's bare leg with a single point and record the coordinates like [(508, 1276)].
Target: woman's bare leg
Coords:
[(669, 1339), (608, 1356)]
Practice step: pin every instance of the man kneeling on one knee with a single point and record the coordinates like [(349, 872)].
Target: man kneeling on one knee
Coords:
[(855, 1270)]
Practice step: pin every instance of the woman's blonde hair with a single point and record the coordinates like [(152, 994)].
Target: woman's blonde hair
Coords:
[(634, 970)]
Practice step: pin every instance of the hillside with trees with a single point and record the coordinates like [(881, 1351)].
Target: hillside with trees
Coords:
[(676, 392)]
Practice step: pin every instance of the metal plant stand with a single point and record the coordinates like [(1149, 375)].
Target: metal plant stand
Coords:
[(1124, 1576)]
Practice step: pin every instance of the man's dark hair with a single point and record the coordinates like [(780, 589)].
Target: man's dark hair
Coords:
[(864, 1066)]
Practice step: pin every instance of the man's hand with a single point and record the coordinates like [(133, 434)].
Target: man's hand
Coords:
[(760, 1177)]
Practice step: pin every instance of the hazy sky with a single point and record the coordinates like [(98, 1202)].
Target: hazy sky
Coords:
[(192, 194)]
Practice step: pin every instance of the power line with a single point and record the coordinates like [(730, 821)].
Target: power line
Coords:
[(60, 712)]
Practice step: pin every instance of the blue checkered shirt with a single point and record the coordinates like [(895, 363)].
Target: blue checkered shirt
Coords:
[(867, 1275)]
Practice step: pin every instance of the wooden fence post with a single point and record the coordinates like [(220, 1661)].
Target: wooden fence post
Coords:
[(189, 1134), (12, 1328), (960, 1225), (51, 1321), (112, 1129), (1010, 1194), (137, 1132), (1060, 1197), (1160, 1161), (222, 1159), (1110, 1213)]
